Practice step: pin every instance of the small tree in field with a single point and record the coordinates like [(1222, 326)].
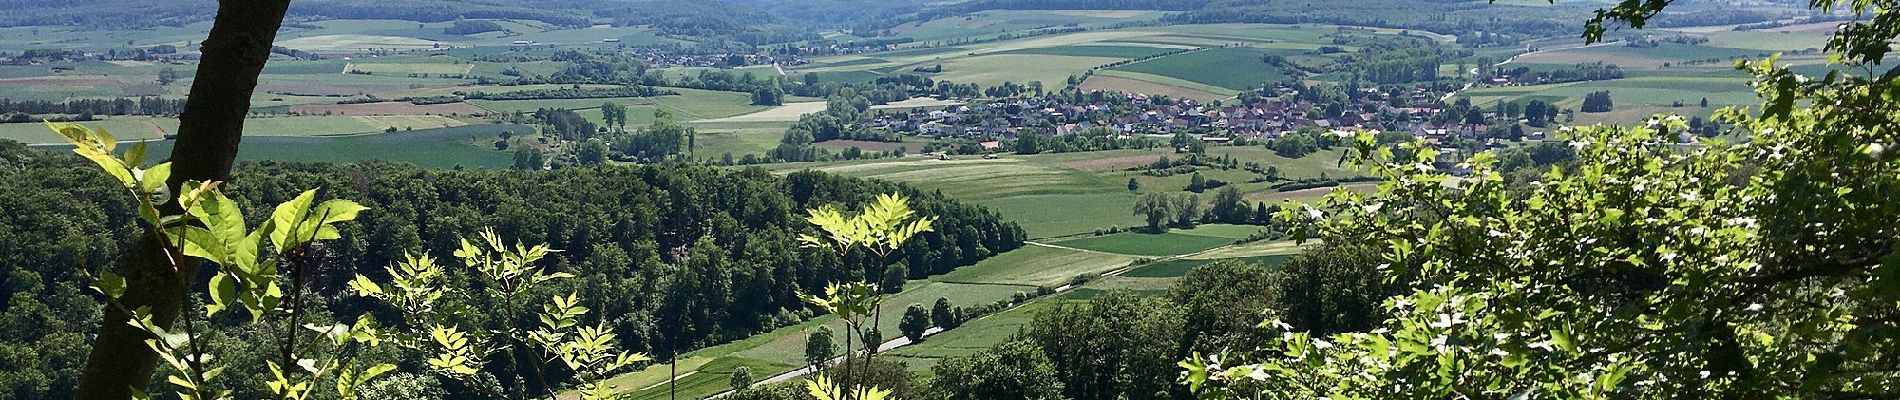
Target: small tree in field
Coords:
[(741, 378), (1156, 208), (916, 321), (820, 348), (942, 315)]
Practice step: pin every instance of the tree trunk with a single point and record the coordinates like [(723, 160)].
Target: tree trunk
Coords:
[(208, 132)]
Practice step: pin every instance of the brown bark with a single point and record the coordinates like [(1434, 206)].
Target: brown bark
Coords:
[(208, 132)]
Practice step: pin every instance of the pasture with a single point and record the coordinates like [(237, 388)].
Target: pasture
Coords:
[(389, 108), (739, 139), (1053, 58), (407, 68), (988, 24), (1037, 265), (465, 146), (1172, 243), (1634, 97), (1181, 267), (976, 335), (1129, 82), (1640, 57), (997, 278), (122, 128), (1090, 188), (1232, 68)]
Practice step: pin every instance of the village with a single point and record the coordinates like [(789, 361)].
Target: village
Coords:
[(1274, 112)]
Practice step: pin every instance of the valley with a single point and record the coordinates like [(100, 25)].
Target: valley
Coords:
[(1037, 199)]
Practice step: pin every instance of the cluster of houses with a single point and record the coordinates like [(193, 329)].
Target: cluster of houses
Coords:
[(663, 58), (1140, 115)]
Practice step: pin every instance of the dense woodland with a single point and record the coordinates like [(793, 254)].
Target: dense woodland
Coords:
[(636, 238)]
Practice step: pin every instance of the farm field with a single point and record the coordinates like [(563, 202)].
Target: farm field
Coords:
[(1179, 268), (988, 24), (1152, 279), (125, 128), (1038, 265), (785, 113), (1130, 82), (1091, 187), (1053, 58), (1643, 94), (430, 148), (975, 335), (782, 350), (389, 108), (1172, 243), (1232, 68), (133, 128), (422, 66), (739, 139)]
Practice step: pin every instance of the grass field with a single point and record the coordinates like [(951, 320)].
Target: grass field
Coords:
[(706, 379), (785, 113), (987, 24), (1253, 250), (1038, 266), (431, 148), (127, 128), (1233, 68), (1634, 98), (1640, 57), (1173, 243), (991, 70), (782, 349), (1180, 268), (1053, 58), (1130, 82), (431, 68), (976, 335), (1078, 213), (1056, 195), (1116, 51), (1021, 188)]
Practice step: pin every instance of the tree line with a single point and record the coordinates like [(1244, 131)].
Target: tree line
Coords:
[(118, 106)]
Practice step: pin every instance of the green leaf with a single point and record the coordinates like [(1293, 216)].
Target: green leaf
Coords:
[(202, 243), (288, 217), (375, 371), (1563, 341), (335, 211), (110, 284), (221, 215), (364, 287), (135, 156), (224, 290), (152, 180)]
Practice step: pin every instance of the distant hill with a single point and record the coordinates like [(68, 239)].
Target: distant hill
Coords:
[(696, 18)]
